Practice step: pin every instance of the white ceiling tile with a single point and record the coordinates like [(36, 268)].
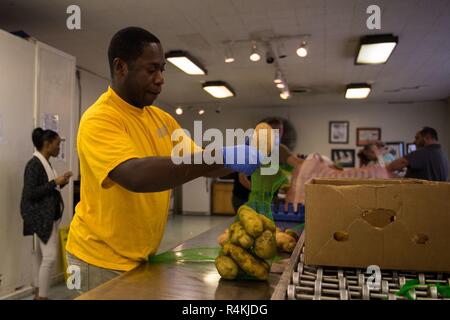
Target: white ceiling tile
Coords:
[(335, 26)]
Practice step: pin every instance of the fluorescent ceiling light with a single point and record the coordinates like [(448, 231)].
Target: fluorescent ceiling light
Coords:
[(218, 89), (185, 62), (179, 111), (376, 49), (201, 111), (357, 91), (280, 85)]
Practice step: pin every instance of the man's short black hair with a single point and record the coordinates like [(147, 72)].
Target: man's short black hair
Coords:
[(128, 44), (428, 131)]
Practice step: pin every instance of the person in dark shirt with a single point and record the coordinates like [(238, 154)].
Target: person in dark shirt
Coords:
[(429, 162), (241, 189)]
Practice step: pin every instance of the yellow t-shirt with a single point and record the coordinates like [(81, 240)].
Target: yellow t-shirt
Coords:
[(115, 228)]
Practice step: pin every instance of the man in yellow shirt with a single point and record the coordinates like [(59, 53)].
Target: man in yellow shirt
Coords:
[(124, 147)]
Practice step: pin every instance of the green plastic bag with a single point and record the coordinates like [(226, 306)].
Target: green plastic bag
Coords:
[(201, 254), (443, 290), (263, 189), (261, 195)]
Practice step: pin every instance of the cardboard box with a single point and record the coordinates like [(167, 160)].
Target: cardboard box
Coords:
[(395, 224)]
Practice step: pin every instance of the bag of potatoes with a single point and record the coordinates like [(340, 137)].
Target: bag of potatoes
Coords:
[(248, 245)]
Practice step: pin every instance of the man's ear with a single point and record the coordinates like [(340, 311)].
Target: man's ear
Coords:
[(120, 67)]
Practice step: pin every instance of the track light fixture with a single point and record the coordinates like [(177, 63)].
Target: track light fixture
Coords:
[(302, 51), (229, 58), (254, 55)]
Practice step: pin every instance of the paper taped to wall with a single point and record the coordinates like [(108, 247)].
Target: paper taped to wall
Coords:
[(50, 121), (62, 149)]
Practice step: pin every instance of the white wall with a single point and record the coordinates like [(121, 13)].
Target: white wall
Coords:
[(398, 122), (17, 65), (196, 196), (92, 86), (34, 79)]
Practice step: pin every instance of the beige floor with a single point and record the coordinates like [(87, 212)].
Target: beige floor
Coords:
[(179, 228)]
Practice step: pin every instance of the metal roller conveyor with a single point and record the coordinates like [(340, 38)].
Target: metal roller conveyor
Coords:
[(304, 282)]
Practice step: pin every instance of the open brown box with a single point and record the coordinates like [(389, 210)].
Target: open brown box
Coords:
[(395, 224)]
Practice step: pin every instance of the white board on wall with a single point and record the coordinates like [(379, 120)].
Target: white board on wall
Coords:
[(55, 109)]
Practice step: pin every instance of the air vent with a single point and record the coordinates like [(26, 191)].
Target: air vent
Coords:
[(405, 88), (300, 90), (400, 102), (21, 34)]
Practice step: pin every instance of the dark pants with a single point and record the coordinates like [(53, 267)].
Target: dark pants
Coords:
[(237, 202)]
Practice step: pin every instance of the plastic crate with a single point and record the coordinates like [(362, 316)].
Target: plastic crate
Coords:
[(279, 214)]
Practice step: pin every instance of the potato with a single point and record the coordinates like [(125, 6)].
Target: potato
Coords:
[(248, 263), (285, 242), (226, 249), (238, 236), (249, 218), (224, 237), (292, 233), (265, 246), (267, 223), (227, 268), (263, 139), (266, 265)]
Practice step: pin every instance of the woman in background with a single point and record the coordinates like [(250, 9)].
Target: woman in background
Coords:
[(42, 207), (376, 153)]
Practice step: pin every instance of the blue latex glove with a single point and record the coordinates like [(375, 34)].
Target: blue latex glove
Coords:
[(248, 161)]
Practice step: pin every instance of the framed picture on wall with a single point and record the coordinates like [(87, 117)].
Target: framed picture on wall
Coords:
[(338, 132), (343, 157), (397, 149), (367, 135), (410, 147)]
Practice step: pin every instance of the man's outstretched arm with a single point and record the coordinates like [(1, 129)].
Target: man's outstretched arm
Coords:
[(397, 164), (153, 174)]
